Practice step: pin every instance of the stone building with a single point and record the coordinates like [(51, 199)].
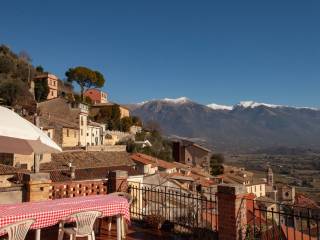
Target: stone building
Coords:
[(94, 109), (52, 81), (190, 153), (235, 175), (69, 121)]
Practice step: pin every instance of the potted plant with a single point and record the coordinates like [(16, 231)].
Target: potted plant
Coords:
[(155, 221)]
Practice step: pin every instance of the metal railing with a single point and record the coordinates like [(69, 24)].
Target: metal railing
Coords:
[(183, 209), (273, 220)]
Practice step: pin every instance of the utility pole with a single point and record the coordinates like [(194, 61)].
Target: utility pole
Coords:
[(36, 157)]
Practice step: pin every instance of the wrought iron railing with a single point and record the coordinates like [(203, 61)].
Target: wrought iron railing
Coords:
[(273, 220), (183, 209)]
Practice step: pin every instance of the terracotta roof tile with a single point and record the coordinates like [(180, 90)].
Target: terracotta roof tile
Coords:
[(87, 174), (8, 170), (146, 159), (86, 159), (302, 200)]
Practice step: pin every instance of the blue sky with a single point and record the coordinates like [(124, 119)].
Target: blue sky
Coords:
[(209, 51)]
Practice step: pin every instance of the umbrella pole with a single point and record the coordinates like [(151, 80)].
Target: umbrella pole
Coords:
[(36, 163)]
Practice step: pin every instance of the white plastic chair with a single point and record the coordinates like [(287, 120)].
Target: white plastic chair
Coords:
[(17, 230), (84, 225), (129, 199)]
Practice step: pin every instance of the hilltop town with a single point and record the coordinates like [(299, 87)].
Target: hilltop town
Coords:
[(99, 136)]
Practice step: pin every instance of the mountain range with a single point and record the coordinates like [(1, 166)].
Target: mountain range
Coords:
[(245, 127)]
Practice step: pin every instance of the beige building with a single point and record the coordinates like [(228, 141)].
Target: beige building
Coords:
[(70, 137), (95, 134), (94, 110), (124, 111), (69, 121), (237, 175), (52, 81), (258, 189)]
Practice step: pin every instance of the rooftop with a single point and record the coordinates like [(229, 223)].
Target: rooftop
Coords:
[(146, 159), (95, 173), (8, 170), (86, 159)]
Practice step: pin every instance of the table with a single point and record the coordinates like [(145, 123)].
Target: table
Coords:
[(50, 212)]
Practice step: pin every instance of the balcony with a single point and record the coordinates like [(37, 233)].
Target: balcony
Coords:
[(136, 231), (165, 212)]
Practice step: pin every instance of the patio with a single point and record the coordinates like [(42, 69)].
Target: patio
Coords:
[(136, 231)]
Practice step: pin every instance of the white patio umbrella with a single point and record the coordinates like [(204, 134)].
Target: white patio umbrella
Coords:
[(17, 135)]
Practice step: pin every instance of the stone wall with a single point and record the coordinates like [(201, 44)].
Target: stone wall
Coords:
[(12, 194)]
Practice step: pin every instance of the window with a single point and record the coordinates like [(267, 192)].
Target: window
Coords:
[(81, 132), (75, 133), (67, 132), (87, 134), (81, 120), (49, 134)]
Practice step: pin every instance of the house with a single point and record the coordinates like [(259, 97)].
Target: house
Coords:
[(96, 95), (237, 175), (190, 153), (95, 133), (69, 121), (52, 81), (149, 165), (268, 208), (95, 109), (144, 166)]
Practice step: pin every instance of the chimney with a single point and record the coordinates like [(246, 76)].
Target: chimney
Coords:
[(72, 171)]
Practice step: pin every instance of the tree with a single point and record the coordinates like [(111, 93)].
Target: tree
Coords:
[(41, 90), (85, 78), (6, 64), (152, 126), (216, 164), (23, 55), (125, 124), (10, 92), (136, 121), (40, 69)]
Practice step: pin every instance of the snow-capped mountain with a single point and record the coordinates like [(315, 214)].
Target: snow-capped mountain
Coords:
[(215, 106), (245, 126), (252, 104)]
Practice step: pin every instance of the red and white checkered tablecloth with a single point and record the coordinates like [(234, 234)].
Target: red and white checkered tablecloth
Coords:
[(48, 213)]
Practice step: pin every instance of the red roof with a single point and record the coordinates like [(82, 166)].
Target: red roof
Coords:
[(302, 200), (146, 159)]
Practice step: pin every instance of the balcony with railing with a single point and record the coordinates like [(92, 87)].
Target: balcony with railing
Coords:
[(165, 212)]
